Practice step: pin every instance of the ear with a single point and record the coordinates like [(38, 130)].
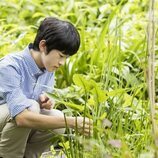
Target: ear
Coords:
[(42, 46)]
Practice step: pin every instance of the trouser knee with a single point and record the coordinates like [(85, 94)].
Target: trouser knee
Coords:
[(58, 113), (54, 112), (4, 115)]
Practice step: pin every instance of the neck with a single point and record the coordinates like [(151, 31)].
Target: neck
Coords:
[(37, 57)]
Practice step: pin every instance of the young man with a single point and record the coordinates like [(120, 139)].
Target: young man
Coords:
[(26, 113)]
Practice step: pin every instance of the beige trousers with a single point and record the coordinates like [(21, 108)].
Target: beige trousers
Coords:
[(17, 142)]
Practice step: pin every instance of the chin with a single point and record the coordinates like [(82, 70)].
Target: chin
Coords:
[(50, 70)]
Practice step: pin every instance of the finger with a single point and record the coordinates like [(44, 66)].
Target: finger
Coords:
[(45, 101), (84, 129), (46, 106), (86, 132), (88, 127), (88, 121), (49, 102), (43, 98)]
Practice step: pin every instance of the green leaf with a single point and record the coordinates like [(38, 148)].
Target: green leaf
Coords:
[(80, 81), (69, 104), (99, 94)]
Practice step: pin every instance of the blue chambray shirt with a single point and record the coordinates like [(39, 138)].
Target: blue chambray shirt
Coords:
[(22, 80)]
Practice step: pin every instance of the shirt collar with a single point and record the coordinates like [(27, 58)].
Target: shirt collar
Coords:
[(32, 66)]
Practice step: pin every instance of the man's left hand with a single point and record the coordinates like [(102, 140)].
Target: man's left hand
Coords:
[(45, 102)]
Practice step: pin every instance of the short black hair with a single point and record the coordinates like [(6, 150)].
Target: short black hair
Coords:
[(58, 34)]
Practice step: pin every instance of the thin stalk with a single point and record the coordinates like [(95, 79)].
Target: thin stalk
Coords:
[(151, 71), (84, 115), (69, 138), (76, 144)]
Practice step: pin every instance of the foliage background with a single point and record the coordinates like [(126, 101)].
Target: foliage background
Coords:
[(112, 57)]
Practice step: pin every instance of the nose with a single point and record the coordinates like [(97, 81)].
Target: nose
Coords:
[(62, 61)]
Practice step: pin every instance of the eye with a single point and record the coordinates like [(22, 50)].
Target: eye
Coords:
[(63, 55)]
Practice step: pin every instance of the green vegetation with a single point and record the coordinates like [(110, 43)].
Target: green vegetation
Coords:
[(105, 81)]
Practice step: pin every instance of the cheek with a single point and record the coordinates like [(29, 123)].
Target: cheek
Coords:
[(49, 61)]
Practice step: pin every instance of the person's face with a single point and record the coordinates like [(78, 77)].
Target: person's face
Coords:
[(53, 60)]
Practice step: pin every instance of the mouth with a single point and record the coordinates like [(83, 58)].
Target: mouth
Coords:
[(55, 67)]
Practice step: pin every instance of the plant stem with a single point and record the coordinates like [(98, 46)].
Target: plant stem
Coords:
[(151, 71)]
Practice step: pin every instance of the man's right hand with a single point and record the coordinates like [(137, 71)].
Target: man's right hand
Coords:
[(83, 125)]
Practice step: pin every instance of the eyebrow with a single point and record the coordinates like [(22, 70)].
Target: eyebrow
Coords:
[(63, 55)]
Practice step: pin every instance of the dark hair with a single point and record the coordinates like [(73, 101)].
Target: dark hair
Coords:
[(58, 34)]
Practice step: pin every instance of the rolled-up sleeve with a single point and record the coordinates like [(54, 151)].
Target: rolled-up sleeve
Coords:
[(10, 87)]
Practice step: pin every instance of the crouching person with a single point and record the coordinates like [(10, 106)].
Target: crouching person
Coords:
[(26, 113)]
